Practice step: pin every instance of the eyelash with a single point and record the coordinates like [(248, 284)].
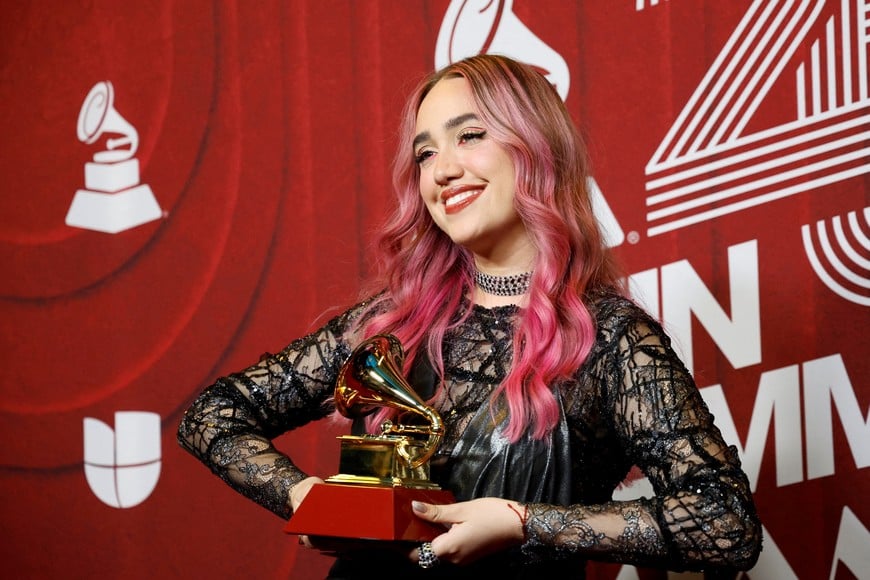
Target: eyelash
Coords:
[(422, 156), (472, 134), (465, 136)]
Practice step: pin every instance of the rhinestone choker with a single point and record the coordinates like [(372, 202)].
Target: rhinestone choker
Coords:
[(514, 285)]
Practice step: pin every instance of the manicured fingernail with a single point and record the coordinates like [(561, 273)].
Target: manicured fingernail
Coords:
[(419, 506)]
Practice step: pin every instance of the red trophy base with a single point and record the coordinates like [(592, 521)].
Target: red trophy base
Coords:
[(366, 512)]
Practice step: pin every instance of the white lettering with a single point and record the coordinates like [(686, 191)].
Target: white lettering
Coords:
[(851, 549), (778, 398), (826, 379), (644, 289), (684, 294), (771, 563)]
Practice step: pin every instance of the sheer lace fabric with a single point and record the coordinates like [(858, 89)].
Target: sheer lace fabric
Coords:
[(631, 403), (651, 415)]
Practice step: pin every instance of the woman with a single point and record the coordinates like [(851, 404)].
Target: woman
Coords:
[(551, 383)]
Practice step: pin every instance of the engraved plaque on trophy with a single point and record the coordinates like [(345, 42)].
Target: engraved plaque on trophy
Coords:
[(379, 475)]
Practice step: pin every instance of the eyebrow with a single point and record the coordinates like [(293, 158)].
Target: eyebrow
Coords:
[(450, 124)]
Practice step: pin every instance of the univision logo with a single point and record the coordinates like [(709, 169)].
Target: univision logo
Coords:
[(122, 466)]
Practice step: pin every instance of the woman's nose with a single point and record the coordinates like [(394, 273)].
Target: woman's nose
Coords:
[(446, 168)]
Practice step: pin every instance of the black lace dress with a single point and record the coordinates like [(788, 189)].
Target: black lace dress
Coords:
[(631, 403)]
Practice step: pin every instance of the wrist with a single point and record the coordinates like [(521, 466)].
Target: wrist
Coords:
[(300, 489), (522, 513)]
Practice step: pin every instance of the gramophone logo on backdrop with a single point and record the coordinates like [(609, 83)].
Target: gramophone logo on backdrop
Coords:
[(486, 26), (122, 466), (113, 199)]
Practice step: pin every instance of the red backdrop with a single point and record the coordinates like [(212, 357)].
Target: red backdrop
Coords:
[(729, 141)]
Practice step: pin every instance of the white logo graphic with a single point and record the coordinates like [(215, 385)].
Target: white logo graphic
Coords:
[(848, 280), (122, 466), (709, 165), (113, 200), (641, 4), (473, 27), (610, 228)]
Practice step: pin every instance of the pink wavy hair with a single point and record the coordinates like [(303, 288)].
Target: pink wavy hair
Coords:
[(424, 275)]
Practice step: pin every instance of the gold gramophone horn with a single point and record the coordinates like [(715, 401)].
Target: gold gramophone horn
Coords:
[(372, 378), (379, 475)]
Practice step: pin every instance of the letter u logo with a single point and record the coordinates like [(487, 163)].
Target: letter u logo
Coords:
[(122, 466)]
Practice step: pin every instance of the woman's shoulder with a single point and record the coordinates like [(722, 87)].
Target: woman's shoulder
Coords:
[(343, 323), (617, 315), (610, 304)]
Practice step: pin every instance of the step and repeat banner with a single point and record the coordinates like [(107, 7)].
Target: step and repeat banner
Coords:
[(187, 185)]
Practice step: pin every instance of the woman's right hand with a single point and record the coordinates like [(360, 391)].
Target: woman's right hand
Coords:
[(297, 496), (300, 490)]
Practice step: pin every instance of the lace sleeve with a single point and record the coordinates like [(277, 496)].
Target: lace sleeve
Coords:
[(229, 427), (702, 515)]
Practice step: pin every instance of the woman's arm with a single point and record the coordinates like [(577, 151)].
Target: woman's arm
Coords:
[(702, 515), (230, 426)]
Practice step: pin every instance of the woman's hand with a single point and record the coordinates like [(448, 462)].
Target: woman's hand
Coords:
[(300, 490), (346, 547), (476, 528), (297, 495)]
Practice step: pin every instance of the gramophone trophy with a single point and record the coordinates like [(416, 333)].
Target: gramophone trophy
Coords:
[(379, 474)]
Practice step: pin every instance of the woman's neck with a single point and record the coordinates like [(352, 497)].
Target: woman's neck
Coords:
[(519, 260), (491, 300)]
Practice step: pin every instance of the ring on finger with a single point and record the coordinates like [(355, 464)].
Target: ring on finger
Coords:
[(428, 559)]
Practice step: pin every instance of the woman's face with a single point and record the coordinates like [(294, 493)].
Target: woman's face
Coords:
[(467, 180)]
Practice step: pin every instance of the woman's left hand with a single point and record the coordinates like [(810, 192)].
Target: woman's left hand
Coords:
[(476, 528)]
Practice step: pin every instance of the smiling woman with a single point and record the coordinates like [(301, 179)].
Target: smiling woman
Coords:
[(551, 382), (467, 181)]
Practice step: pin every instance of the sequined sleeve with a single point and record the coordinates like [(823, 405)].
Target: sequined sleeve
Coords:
[(702, 515), (230, 426)]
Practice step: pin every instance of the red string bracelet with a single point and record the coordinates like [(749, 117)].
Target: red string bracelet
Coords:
[(524, 517)]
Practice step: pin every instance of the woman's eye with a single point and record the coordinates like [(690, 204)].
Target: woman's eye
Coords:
[(467, 136), (423, 156)]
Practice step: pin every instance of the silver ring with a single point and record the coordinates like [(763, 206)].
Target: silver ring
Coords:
[(428, 559)]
